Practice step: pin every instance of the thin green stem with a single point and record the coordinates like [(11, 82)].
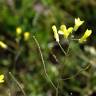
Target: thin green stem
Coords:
[(78, 72), (85, 59), (74, 39), (43, 62), (68, 48), (15, 80), (62, 48), (9, 49)]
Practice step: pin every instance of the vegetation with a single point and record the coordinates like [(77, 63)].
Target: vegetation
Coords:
[(39, 58)]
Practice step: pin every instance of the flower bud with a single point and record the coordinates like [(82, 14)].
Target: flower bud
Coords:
[(18, 31), (1, 78), (85, 36), (56, 36), (26, 36), (3, 45)]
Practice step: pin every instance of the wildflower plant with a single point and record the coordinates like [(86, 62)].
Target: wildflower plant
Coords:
[(68, 35)]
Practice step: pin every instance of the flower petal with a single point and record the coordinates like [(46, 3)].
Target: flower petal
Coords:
[(56, 36), (60, 32)]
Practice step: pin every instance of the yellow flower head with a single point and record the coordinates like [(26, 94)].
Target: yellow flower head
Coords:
[(78, 23), (26, 36), (1, 78), (64, 31), (85, 36), (3, 45), (18, 30), (56, 36)]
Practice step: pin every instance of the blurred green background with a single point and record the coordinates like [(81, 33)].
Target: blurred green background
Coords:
[(23, 59)]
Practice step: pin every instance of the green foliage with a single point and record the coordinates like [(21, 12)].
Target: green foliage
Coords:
[(73, 74)]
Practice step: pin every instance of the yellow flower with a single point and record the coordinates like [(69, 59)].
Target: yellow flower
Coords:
[(64, 31), (26, 36), (85, 36), (18, 30), (78, 23), (1, 78), (3, 45), (56, 36)]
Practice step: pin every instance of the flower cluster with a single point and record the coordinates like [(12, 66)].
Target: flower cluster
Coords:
[(19, 32), (66, 32)]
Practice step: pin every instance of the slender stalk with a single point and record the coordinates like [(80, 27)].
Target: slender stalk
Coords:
[(43, 62), (62, 48), (9, 49), (75, 39), (85, 59), (78, 72), (15, 80), (68, 48)]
